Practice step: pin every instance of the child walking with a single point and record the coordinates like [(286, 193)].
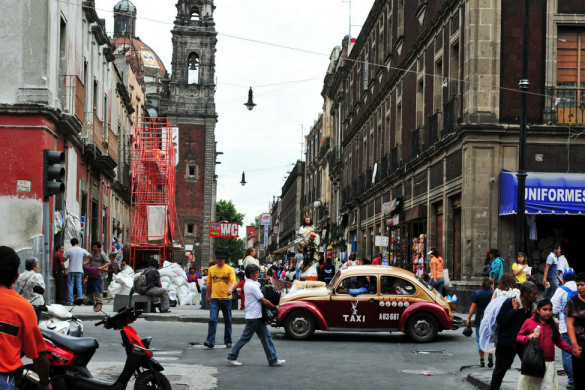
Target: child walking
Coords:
[(543, 328)]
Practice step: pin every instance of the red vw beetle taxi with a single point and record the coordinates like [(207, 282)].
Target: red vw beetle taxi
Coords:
[(391, 299)]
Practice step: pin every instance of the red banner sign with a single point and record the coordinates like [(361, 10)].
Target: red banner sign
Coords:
[(224, 229)]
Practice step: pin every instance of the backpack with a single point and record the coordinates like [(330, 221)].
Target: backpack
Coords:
[(570, 295), (271, 294), (486, 270), (140, 285)]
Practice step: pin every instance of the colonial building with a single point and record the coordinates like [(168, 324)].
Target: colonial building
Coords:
[(61, 91), (424, 108), (290, 214)]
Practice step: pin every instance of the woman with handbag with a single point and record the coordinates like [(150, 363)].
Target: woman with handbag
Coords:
[(31, 286), (544, 331), (437, 265)]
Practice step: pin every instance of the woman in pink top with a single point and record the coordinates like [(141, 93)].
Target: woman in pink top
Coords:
[(437, 280), (548, 337)]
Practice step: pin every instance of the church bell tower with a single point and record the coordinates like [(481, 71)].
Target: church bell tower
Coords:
[(189, 104)]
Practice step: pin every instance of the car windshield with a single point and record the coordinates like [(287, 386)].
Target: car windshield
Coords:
[(334, 280), (424, 283)]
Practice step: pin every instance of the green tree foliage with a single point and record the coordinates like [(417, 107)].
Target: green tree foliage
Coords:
[(225, 211)]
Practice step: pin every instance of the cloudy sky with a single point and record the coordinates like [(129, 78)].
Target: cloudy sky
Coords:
[(267, 141)]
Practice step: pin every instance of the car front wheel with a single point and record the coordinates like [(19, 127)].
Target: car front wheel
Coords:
[(422, 327), (300, 325)]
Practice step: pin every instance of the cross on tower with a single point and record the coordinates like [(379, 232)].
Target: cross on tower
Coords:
[(189, 155)]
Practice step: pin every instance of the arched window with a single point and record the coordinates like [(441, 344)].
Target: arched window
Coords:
[(193, 70), (195, 13)]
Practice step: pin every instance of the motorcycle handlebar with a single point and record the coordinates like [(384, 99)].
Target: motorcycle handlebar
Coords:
[(100, 323)]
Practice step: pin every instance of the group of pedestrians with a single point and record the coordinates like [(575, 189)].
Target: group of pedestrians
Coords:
[(522, 319)]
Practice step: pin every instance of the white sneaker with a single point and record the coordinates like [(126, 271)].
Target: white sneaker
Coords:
[(234, 362), (278, 363)]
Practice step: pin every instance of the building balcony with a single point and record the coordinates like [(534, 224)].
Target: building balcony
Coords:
[(334, 157), (434, 121), (112, 145), (568, 106), (73, 96), (450, 116)]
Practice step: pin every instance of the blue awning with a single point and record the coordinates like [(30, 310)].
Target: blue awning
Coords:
[(546, 193)]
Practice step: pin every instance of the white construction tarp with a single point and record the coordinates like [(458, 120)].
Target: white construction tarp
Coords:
[(156, 222)]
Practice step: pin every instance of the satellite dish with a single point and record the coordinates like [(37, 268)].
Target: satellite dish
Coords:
[(317, 204)]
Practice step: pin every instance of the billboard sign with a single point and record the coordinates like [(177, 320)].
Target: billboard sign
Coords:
[(224, 229), (265, 220)]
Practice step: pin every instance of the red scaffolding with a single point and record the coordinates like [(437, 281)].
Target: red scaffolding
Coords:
[(153, 191)]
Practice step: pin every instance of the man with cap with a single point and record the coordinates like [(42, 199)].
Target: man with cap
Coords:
[(559, 300), (221, 283)]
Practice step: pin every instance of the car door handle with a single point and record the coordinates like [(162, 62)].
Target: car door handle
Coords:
[(373, 300)]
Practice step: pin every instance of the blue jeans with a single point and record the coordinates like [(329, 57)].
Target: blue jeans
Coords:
[(7, 382), (203, 296), (257, 326), (550, 290), (439, 285), (568, 361), (75, 280), (298, 274), (225, 305)]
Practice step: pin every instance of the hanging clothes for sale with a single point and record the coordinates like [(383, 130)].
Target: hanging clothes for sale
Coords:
[(531, 223)]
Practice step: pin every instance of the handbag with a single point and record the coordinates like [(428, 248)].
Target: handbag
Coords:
[(446, 278), (468, 331), (533, 363)]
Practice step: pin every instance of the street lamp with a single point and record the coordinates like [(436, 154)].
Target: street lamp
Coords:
[(250, 103), (243, 182), (521, 174)]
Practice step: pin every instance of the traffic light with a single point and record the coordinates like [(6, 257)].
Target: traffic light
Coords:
[(51, 172)]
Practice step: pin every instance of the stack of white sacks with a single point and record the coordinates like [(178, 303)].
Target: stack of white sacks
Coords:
[(172, 277)]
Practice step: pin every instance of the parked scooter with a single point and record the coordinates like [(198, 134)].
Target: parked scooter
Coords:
[(69, 356), (61, 321)]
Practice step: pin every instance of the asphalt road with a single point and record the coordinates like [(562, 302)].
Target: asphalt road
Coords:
[(356, 361)]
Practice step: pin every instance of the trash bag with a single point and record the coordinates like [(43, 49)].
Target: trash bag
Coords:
[(468, 331), (185, 299), (178, 281), (273, 296), (488, 330), (183, 290), (533, 363)]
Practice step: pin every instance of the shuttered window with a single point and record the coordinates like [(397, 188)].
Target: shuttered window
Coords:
[(570, 75)]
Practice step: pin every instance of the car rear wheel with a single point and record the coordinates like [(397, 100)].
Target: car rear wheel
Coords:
[(300, 325), (422, 327)]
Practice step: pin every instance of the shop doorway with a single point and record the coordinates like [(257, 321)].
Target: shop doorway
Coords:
[(565, 230), (457, 244)]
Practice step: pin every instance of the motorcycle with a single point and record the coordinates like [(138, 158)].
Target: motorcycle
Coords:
[(69, 356), (61, 320)]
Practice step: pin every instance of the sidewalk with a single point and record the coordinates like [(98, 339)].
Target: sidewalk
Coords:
[(483, 376), (186, 313)]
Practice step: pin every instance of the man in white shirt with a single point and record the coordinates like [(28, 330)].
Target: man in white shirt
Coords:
[(559, 300), (75, 254), (254, 321)]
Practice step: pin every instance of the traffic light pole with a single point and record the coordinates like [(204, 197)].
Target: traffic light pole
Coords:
[(47, 259)]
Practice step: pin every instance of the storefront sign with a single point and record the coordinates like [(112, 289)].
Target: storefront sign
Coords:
[(396, 219), (546, 193), (381, 241), (224, 229), (265, 236)]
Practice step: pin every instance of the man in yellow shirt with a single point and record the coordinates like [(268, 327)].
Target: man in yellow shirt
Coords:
[(221, 282)]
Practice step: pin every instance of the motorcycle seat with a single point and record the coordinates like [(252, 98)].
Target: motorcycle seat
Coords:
[(73, 344)]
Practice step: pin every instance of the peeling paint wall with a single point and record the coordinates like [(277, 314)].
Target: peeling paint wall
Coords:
[(17, 228)]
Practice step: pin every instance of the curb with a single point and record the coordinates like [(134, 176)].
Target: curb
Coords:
[(478, 382), (482, 381), (160, 318)]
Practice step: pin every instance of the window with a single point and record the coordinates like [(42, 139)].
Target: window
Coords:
[(438, 87), (193, 70), (360, 284), (123, 25), (400, 17), (454, 71), (189, 229), (398, 124), (420, 102), (192, 172), (389, 33), (571, 53), (391, 285)]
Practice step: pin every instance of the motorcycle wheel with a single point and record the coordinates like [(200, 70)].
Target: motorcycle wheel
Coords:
[(146, 381)]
